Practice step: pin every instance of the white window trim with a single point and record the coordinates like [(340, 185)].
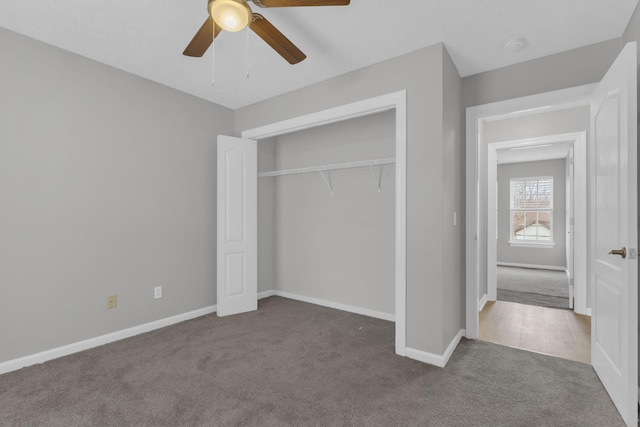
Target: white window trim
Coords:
[(532, 244), (540, 244)]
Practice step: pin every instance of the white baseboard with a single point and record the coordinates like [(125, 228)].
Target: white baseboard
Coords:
[(266, 294), (343, 307), (539, 267), (585, 312), (482, 302), (15, 364), (436, 359)]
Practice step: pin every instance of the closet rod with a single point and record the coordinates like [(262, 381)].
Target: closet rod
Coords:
[(357, 164)]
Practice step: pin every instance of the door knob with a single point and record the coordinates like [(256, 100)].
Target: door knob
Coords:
[(622, 252)]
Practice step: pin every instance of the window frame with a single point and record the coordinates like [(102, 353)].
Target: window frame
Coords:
[(547, 244)]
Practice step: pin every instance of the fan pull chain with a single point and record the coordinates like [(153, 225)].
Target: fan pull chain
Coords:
[(247, 50)]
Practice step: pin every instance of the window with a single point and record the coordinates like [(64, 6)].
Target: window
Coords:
[(531, 210)]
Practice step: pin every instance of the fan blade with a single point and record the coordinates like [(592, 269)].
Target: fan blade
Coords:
[(295, 3), (203, 39), (276, 39)]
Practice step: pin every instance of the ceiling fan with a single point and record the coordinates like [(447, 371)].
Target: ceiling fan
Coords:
[(234, 15)]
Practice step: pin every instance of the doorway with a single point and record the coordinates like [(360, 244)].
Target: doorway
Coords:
[(478, 118), (612, 237), (536, 236), (537, 218), (326, 215), (552, 331), (394, 101), (561, 248)]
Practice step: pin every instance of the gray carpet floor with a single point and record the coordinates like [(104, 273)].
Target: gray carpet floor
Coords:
[(297, 364), (545, 288)]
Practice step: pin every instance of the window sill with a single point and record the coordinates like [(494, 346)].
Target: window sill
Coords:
[(541, 245)]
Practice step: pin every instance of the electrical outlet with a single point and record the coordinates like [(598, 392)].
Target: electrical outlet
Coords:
[(112, 301), (157, 292)]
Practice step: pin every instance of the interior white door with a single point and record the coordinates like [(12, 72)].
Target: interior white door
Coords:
[(237, 262), (614, 278)]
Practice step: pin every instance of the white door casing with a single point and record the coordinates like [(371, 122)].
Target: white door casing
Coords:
[(492, 223), (476, 180), (398, 102), (614, 279), (237, 247), (569, 223)]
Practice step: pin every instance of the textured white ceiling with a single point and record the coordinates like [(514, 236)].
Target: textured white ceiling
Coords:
[(147, 37)]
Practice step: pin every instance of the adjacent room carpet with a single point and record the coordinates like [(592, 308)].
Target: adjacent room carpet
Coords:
[(544, 288), (297, 364)]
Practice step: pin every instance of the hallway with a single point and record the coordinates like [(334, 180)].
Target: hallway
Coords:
[(557, 332)]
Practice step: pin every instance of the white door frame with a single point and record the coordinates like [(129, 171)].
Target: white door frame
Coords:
[(394, 101), (476, 182), (579, 141)]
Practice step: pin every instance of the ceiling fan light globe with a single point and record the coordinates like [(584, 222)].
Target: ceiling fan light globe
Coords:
[(230, 15)]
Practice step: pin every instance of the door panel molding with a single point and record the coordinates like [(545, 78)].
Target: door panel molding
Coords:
[(237, 235), (614, 214)]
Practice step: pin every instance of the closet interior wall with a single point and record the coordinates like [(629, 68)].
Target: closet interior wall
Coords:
[(266, 217), (338, 248)]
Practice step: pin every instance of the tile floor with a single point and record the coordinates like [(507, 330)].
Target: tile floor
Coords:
[(553, 331)]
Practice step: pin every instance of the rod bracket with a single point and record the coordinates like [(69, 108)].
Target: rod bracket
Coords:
[(327, 181), (376, 178)]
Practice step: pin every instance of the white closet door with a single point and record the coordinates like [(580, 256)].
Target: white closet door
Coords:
[(237, 226), (614, 327)]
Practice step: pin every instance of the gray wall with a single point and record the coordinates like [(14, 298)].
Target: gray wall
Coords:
[(421, 74), (107, 183), (632, 33), (337, 248), (555, 256), (560, 71), (453, 200)]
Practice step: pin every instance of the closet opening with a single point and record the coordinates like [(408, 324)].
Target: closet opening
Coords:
[(326, 215), (332, 209)]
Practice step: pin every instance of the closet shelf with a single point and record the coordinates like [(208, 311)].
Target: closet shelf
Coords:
[(322, 168)]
